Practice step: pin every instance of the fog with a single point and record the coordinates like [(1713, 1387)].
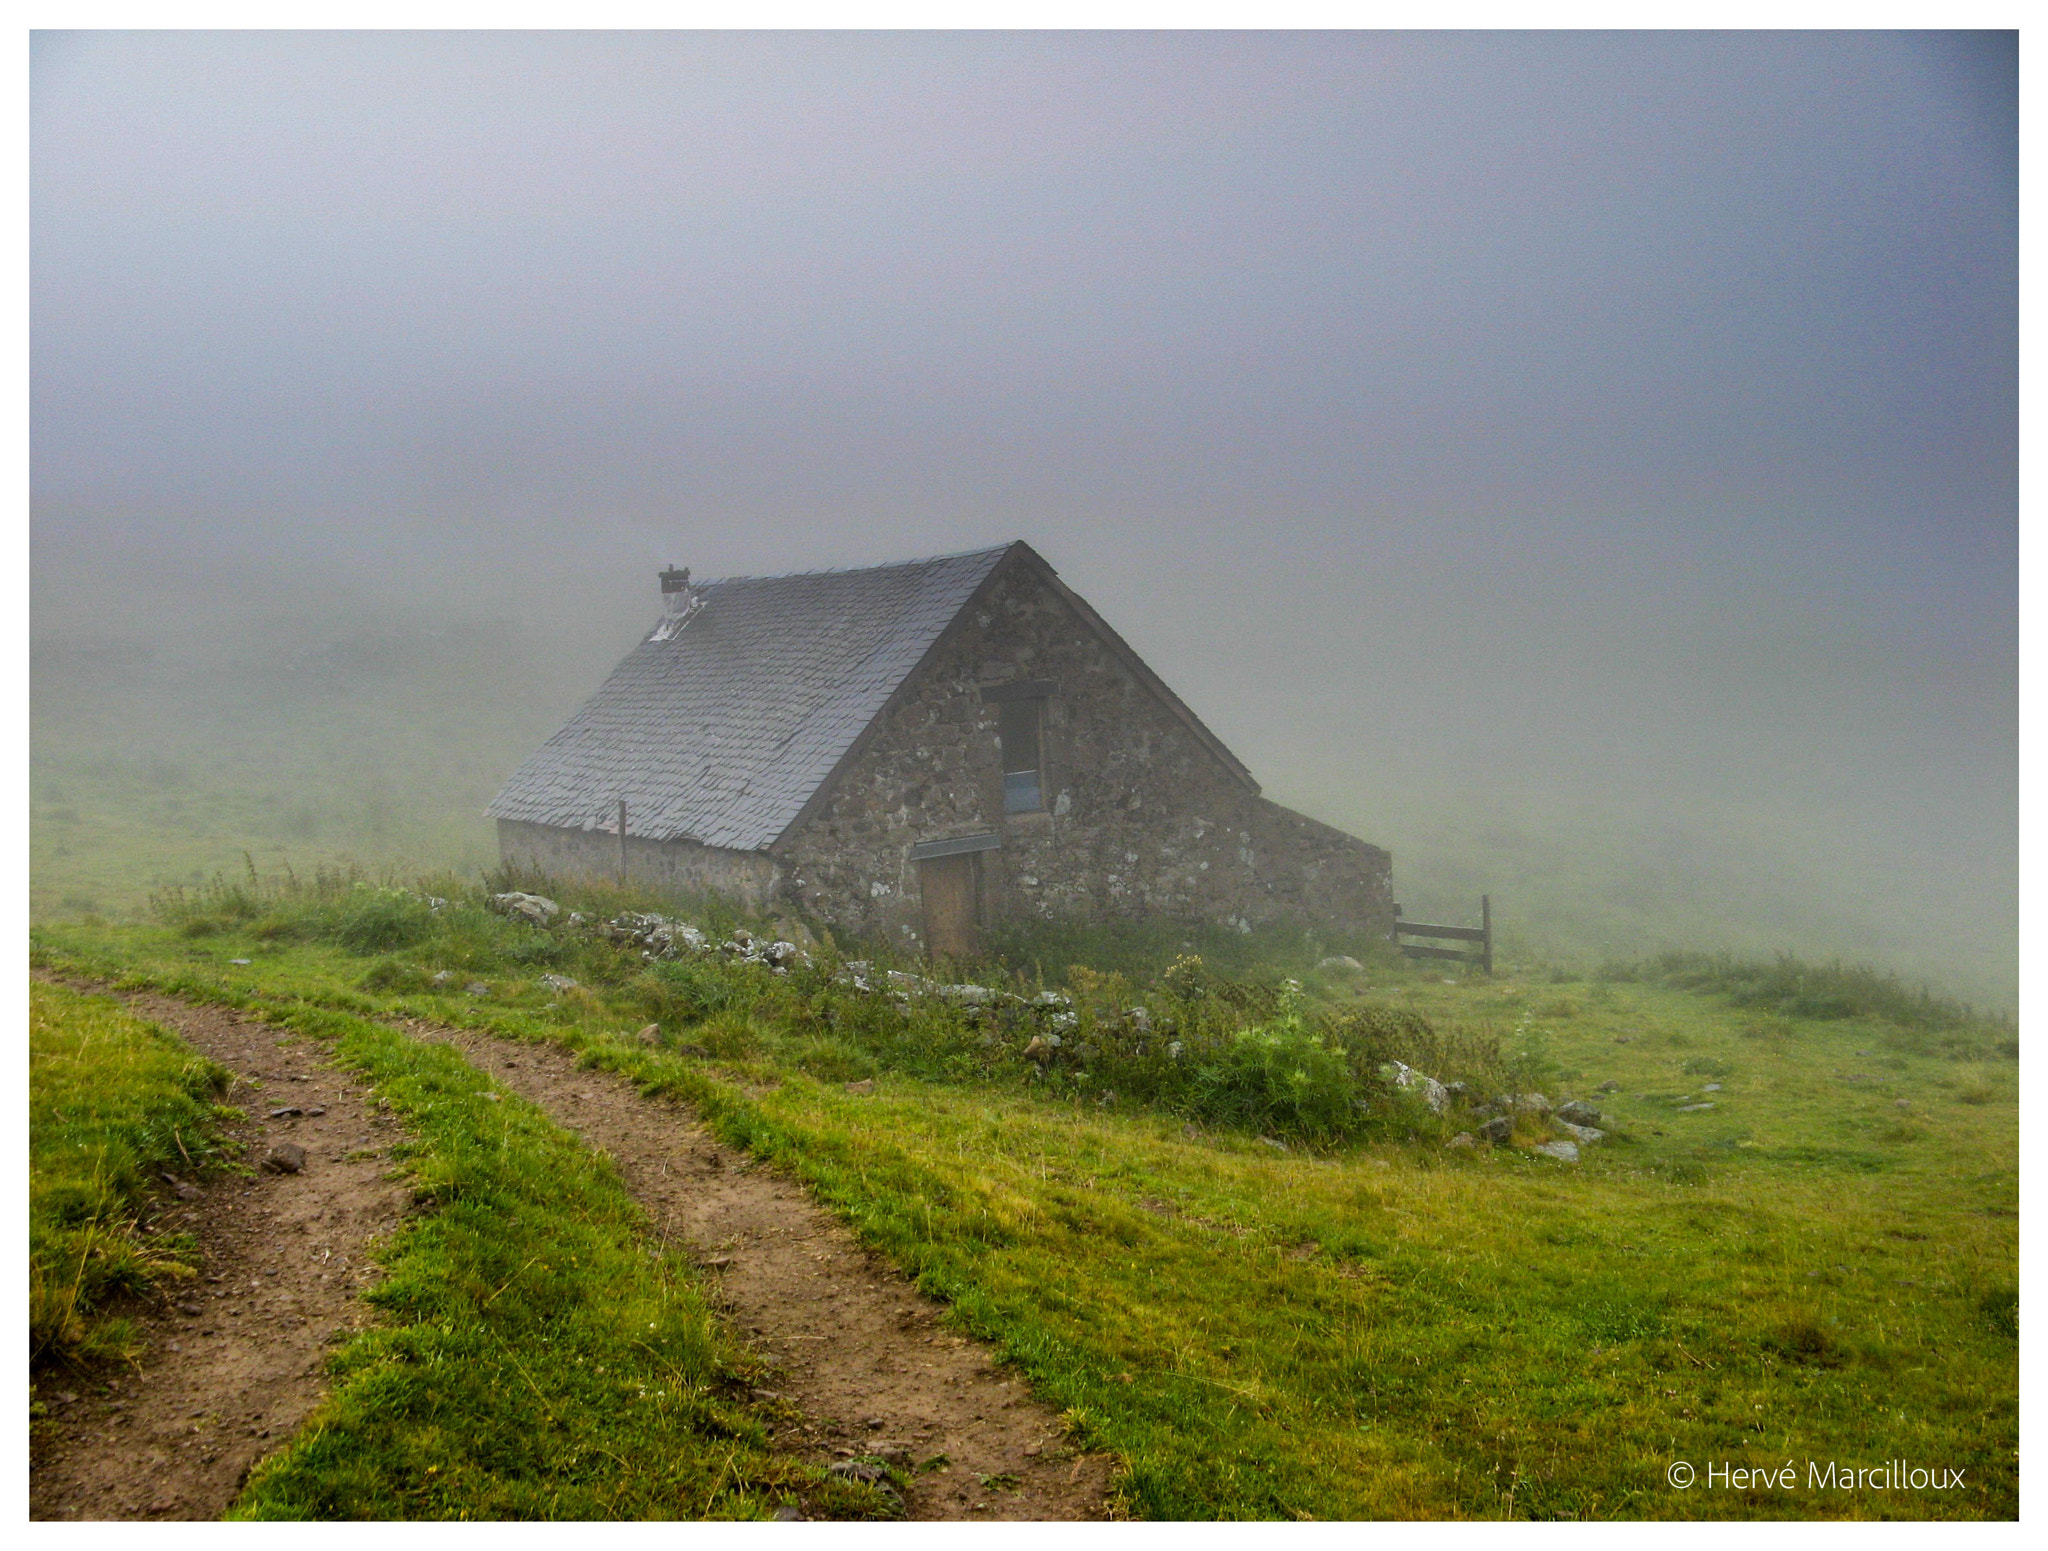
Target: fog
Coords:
[(1585, 464)]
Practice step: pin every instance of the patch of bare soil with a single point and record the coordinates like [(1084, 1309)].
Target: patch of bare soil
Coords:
[(233, 1359), (863, 1367)]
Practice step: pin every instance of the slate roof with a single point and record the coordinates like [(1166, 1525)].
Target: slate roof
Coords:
[(722, 732)]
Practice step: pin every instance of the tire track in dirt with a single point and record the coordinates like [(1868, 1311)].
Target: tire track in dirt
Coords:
[(233, 1360), (858, 1349)]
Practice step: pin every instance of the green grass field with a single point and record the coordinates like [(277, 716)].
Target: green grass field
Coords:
[(112, 1102), (1810, 1271)]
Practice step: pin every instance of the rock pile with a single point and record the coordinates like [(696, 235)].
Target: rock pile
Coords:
[(1578, 1120), (1434, 1093), (536, 908)]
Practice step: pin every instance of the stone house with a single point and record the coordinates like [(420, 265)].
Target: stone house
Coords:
[(915, 751)]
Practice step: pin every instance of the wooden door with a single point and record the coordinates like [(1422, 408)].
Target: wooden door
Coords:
[(951, 886)]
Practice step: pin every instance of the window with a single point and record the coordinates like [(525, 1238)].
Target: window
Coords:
[(1022, 790)]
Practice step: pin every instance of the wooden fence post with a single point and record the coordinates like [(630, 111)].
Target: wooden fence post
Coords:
[(1485, 925)]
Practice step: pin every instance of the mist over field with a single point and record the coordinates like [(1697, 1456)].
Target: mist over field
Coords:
[(1583, 464)]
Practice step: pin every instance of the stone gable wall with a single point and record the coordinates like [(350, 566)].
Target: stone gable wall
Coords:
[(1142, 818)]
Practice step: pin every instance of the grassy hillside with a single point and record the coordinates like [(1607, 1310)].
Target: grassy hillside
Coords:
[(1798, 1242)]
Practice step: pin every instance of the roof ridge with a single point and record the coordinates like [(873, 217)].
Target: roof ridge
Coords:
[(854, 570)]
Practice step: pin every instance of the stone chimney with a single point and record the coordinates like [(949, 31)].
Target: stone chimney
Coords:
[(679, 600)]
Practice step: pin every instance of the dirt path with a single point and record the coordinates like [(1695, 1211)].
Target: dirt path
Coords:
[(233, 1360), (859, 1350)]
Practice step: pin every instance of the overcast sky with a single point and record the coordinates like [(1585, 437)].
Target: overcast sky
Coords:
[(1627, 417)]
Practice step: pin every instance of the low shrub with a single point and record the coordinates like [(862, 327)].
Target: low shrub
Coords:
[(1282, 1079), (684, 992), (376, 920)]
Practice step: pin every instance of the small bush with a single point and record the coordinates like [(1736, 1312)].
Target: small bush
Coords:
[(831, 1060), (376, 920), (391, 975), (1281, 1080), (687, 991), (728, 1037)]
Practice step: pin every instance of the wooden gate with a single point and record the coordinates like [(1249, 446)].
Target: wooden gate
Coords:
[(951, 886), (1482, 934)]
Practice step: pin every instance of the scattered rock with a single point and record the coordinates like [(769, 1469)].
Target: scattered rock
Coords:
[(1563, 1152), (1464, 1140), (477, 988), (316, 1109), (1578, 1112), (1276, 1146), (1584, 1135), (1434, 1093), (1712, 1087), (1532, 1104), (536, 908), (1902, 1103), (285, 1111), (867, 1470), (865, 1085), (781, 955), (1497, 1130), (285, 1158), (650, 1035), (1693, 1109), (788, 1513), (1609, 1086), (660, 936), (182, 1189), (1341, 961), (558, 983), (441, 977), (238, 961)]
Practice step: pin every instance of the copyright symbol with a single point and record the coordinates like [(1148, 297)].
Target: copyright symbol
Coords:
[(1679, 1475)]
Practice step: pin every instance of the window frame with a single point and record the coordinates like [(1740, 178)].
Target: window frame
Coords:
[(1021, 698)]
